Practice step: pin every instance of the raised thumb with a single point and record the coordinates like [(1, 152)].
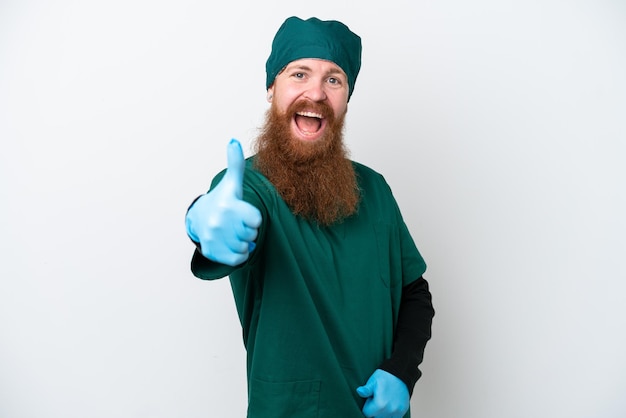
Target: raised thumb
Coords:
[(235, 169)]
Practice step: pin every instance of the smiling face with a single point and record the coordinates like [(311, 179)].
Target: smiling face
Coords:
[(300, 148), (315, 92)]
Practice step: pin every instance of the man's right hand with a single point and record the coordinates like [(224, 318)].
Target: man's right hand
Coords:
[(221, 221)]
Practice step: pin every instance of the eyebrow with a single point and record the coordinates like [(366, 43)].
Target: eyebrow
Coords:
[(298, 67), (307, 68)]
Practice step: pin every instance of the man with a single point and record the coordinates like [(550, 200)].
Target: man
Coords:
[(326, 277)]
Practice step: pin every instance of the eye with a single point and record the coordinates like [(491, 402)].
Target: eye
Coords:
[(299, 75), (335, 81)]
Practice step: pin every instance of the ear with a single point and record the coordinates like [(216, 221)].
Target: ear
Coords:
[(270, 93)]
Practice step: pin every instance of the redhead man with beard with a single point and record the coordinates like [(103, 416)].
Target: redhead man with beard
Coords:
[(326, 277)]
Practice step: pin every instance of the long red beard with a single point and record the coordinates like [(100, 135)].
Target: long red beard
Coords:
[(317, 179)]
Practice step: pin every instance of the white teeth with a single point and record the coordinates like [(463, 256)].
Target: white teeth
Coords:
[(310, 115)]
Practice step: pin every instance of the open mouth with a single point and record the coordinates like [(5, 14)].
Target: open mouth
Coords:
[(308, 123)]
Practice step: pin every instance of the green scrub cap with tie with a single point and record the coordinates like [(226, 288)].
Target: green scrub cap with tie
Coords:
[(314, 38)]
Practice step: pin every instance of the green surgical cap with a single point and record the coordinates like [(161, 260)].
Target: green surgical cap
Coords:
[(314, 38)]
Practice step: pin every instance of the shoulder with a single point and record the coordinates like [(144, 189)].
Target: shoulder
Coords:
[(368, 177), (365, 170)]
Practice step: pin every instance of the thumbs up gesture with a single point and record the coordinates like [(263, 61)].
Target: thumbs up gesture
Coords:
[(221, 221)]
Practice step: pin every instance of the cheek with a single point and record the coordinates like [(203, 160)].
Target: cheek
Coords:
[(281, 106), (283, 99), (339, 103), (340, 109)]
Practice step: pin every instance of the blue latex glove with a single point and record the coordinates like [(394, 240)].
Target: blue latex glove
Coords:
[(386, 396), (224, 224)]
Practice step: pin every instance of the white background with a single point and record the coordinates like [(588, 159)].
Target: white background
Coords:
[(499, 125)]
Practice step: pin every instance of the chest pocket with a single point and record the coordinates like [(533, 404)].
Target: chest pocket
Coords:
[(284, 399), (373, 252)]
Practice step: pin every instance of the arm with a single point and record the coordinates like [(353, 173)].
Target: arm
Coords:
[(413, 331), (389, 388)]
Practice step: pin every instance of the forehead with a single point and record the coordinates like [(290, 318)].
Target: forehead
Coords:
[(316, 64)]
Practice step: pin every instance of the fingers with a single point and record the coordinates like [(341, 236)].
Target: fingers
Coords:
[(246, 234), (364, 391), (249, 214), (238, 242), (236, 167), (230, 249)]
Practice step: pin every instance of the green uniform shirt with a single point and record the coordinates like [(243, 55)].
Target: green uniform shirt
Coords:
[(318, 305)]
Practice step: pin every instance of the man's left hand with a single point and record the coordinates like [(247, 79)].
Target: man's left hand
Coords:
[(386, 396)]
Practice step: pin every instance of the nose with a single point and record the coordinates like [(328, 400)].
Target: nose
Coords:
[(315, 92)]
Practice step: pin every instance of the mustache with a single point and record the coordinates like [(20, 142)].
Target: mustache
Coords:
[(322, 108)]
